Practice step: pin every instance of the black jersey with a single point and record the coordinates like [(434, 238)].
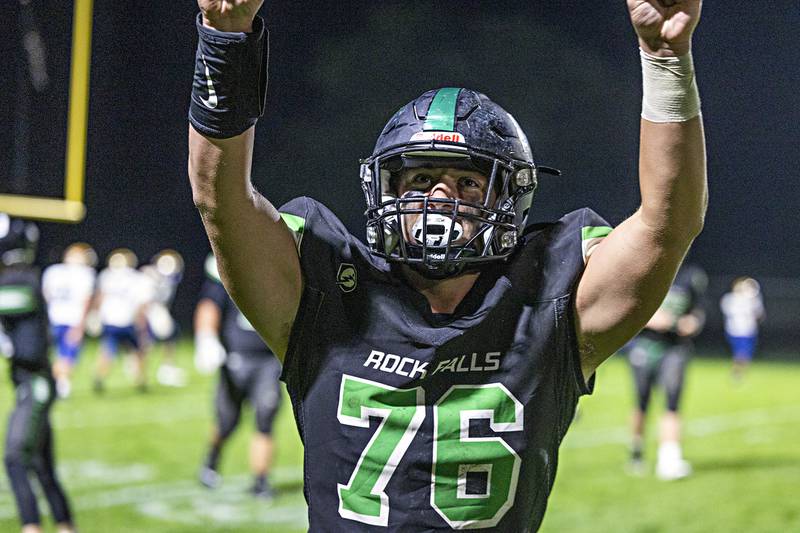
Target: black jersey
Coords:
[(417, 422), (237, 333), (23, 315), (685, 296)]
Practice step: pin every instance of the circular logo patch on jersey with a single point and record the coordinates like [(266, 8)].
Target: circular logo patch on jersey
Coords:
[(346, 278)]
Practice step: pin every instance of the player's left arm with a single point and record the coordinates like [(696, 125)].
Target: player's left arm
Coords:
[(629, 272)]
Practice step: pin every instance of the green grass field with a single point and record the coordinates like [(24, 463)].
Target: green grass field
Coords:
[(129, 460)]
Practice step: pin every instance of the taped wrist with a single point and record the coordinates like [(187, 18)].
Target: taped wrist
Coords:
[(230, 80), (669, 88)]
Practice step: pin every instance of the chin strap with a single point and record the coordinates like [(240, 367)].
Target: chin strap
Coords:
[(428, 272)]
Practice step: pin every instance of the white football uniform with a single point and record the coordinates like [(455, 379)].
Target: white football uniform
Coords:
[(742, 313), (124, 290), (162, 289), (165, 288), (67, 288)]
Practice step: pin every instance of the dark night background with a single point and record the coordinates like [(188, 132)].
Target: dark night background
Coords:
[(569, 73)]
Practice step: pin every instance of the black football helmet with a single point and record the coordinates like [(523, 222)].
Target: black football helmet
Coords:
[(451, 128), (18, 241)]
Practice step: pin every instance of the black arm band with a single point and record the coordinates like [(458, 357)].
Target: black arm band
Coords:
[(230, 80)]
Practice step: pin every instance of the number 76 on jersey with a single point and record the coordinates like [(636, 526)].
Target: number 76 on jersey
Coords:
[(455, 455)]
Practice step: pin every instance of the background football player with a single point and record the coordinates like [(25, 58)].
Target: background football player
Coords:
[(660, 354), (249, 372), (29, 438), (469, 335), (121, 300), (68, 288), (164, 273), (743, 309)]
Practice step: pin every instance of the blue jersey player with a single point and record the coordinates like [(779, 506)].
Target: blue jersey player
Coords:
[(435, 369)]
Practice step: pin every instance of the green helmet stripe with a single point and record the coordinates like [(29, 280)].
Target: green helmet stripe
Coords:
[(442, 113)]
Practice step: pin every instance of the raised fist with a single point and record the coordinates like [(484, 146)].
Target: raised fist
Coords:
[(229, 15), (665, 27)]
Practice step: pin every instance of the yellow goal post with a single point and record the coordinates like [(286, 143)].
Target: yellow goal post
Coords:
[(70, 208)]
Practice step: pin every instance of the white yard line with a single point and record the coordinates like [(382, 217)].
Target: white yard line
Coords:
[(743, 420), (191, 503), (696, 427)]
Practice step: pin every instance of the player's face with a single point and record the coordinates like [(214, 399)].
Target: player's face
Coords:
[(445, 184)]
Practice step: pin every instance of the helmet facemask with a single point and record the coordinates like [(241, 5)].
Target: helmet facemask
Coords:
[(440, 237)]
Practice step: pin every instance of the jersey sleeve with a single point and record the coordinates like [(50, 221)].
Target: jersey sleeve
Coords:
[(560, 252), (323, 243), (593, 229), (329, 257)]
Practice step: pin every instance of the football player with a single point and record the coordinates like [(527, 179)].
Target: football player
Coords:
[(250, 372), (434, 370), (68, 289), (121, 300), (743, 309), (29, 437), (164, 274), (659, 354)]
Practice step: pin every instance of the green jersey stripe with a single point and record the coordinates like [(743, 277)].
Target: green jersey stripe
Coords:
[(591, 237), (17, 300), (594, 232), (296, 225), (442, 113)]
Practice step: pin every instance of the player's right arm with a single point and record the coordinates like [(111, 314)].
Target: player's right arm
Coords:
[(255, 250)]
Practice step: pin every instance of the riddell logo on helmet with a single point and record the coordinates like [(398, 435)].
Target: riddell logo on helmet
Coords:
[(448, 136)]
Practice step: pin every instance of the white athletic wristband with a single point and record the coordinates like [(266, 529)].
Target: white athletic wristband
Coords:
[(669, 88)]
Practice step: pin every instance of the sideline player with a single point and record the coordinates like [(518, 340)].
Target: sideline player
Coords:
[(744, 310), (68, 287), (434, 371), (250, 372), (29, 437), (121, 299), (660, 354), (164, 273)]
